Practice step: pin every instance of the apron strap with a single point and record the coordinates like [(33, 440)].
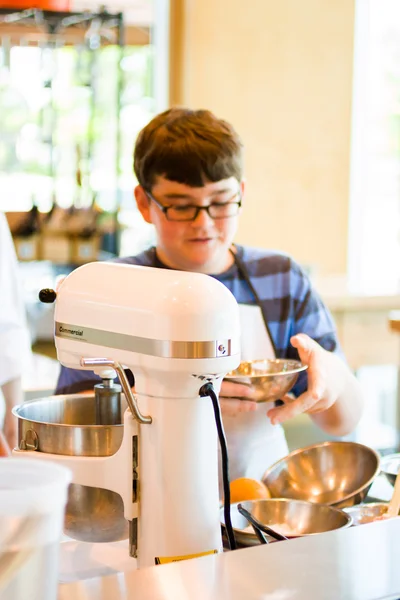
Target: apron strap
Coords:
[(241, 267)]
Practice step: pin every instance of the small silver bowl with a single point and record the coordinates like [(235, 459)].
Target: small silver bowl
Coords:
[(334, 473), (366, 513), (390, 466), (271, 378), (293, 518)]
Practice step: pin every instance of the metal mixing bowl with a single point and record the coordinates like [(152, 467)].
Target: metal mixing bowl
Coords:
[(366, 513), (390, 466), (66, 425), (296, 517), (271, 379), (334, 473)]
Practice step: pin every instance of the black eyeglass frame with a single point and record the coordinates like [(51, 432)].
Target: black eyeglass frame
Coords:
[(165, 209)]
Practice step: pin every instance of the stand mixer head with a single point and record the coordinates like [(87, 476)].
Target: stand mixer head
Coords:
[(175, 331)]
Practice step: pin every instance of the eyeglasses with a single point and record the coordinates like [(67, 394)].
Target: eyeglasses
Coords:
[(190, 212)]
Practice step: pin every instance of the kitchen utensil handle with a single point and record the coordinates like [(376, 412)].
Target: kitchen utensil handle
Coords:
[(394, 504), (260, 536), (260, 526)]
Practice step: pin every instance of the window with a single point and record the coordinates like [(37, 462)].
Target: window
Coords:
[(374, 240), (71, 105), (68, 123)]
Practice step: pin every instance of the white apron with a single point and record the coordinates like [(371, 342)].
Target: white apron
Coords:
[(253, 443)]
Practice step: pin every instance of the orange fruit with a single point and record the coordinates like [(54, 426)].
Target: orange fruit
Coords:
[(245, 488)]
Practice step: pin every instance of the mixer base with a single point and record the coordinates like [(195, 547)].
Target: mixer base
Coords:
[(84, 560)]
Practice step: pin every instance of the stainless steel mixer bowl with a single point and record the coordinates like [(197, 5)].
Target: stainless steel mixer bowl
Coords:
[(334, 473), (299, 517), (66, 425), (390, 466), (271, 378)]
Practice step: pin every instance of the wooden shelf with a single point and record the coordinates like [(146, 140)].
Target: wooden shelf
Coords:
[(32, 36)]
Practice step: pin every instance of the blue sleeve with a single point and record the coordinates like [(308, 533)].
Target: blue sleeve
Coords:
[(312, 317), (73, 381)]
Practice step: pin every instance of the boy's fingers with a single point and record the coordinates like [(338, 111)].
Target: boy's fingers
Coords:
[(232, 406)]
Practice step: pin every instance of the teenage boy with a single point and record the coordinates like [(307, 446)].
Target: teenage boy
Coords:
[(189, 169)]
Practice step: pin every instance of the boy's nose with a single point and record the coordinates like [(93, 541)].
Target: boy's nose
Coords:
[(202, 217)]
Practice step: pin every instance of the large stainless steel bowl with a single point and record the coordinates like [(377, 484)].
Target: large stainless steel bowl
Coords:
[(271, 379), (390, 466), (66, 425), (334, 473), (293, 518)]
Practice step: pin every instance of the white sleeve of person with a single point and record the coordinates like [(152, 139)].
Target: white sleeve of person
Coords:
[(14, 334)]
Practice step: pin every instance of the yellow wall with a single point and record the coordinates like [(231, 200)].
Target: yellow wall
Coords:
[(281, 72)]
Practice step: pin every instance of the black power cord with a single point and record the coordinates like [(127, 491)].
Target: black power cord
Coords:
[(208, 390)]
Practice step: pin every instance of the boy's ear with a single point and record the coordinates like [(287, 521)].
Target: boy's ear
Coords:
[(143, 203), (242, 190)]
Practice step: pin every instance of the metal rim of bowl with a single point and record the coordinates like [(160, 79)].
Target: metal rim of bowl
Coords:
[(298, 369), (330, 443), (16, 413), (251, 535)]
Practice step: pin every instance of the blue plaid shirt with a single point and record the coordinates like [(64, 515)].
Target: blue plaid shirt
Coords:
[(276, 282)]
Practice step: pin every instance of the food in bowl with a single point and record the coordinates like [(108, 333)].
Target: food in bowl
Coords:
[(367, 513), (282, 528), (270, 378)]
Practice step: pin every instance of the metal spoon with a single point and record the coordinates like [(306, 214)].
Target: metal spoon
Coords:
[(260, 528)]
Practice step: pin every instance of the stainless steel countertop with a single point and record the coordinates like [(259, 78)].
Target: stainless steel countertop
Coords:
[(360, 563)]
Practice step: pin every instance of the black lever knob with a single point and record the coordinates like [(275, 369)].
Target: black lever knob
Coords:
[(47, 295)]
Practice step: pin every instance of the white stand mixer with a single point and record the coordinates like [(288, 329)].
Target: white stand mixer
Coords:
[(176, 331)]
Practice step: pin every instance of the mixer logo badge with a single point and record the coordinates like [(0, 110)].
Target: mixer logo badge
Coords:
[(77, 332)]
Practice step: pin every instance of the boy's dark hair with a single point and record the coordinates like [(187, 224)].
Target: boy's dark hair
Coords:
[(188, 146)]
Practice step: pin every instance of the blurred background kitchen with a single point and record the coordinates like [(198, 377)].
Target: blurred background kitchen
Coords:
[(313, 87)]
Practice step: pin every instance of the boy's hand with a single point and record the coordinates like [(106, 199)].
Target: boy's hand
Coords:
[(10, 430), (230, 398), (324, 381)]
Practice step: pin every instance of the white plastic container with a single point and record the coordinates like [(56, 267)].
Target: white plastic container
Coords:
[(33, 495)]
